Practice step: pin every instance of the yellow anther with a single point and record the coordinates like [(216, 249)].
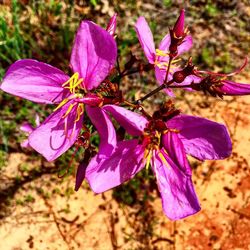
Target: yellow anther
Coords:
[(73, 83), (63, 102), (71, 106), (161, 53), (149, 156), (176, 60), (79, 111), (163, 159)]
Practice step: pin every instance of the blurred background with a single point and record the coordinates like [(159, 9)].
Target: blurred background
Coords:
[(39, 210)]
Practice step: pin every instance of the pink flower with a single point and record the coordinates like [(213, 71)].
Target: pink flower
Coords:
[(162, 142), (93, 56), (160, 57)]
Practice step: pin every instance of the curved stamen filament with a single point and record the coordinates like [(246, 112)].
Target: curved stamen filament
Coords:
[(71, 106), (79, 111)]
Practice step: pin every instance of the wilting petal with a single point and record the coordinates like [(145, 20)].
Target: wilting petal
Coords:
[(80, 175), (186, 45), (50, 140), (145, 37), (190, 79), (105, 129), (177, 192), (131, 121), (37, 120), (112, 25), (35, 81), (176, 151), (202, 138), (127, 160), (25, 144), (94, 54), (234, 88), (26, 127), (160, 75)]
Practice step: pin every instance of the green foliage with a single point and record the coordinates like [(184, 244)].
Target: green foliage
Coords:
[(167, 3), (207, 56), (211, 9), (94, 2)]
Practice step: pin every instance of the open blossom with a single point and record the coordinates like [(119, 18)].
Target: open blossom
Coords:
[(163, 143), (93, 56), (160, 57)]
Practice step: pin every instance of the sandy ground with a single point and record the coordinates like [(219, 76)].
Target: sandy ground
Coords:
[(83, 220)]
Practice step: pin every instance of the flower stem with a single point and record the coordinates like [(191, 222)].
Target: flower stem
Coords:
[(165, 84)]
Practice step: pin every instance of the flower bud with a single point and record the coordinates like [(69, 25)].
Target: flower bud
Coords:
[(179, 76), (179, 25), (177, 34), (112, 25)]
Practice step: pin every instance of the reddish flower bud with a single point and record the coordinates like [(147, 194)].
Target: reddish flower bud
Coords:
[(179, 76), (179, 25), (177, 34)]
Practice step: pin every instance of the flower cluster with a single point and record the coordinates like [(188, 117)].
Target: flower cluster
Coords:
[(162, 139)]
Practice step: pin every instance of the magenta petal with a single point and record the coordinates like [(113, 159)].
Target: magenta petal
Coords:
[(127, 160), (202, 138), (80, 175), (105, 128), (49, 138), (186, 45), (177, 192), (94, 54), (145, 37), (176, 151), (234, 88), (165, 43), (131, 121), (35, 81)]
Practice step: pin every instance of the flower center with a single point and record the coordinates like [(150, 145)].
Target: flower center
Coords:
[(162, 63), (74, 85), (152, 140)]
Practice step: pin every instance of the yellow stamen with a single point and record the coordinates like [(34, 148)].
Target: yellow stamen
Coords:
[(163, 159), (69, 109), (80, 110), (63, 102), (73, 83), (149, 156), (161, 53)]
